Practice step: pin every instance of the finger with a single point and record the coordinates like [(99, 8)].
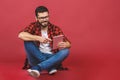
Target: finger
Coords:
[(49, 39), (42, 39), (60, 43), (45, 41), (61, 46)]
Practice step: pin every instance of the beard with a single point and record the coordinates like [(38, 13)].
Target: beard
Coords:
[(44, 24)]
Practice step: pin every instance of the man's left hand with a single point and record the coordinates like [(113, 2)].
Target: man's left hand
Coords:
[(62, 45)]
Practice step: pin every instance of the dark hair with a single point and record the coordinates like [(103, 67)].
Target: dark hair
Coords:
[(40, 9)]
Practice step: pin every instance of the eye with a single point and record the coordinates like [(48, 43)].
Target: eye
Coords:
[(43, 17)]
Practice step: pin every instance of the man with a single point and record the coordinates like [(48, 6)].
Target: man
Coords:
[(38, 42)]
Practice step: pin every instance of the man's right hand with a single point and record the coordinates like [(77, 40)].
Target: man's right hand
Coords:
[(43, 40)]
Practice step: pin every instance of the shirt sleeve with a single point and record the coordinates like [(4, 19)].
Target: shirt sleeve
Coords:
[(30, 29)]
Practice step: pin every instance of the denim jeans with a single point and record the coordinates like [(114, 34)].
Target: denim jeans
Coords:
[(44, 60)]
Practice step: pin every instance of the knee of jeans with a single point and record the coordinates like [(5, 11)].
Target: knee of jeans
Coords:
[(65, 51), (28, 43)]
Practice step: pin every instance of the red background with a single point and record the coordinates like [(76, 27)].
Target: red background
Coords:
[(91, 25)]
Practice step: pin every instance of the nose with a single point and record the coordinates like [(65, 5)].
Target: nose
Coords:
[(45, 19)]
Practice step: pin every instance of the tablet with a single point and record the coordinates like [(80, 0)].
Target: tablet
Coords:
[(56, 40)]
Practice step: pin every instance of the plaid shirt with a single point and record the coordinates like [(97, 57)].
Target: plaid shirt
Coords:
[(35, 29)]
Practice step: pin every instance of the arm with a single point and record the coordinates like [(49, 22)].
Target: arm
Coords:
[(29, 37)]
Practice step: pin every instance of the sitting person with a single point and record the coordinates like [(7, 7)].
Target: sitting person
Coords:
[(38, 42)]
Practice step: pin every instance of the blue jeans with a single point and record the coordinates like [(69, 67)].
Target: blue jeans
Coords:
[(44, 60)]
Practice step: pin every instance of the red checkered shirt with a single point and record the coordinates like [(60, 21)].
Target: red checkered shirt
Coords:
[(35, 29)]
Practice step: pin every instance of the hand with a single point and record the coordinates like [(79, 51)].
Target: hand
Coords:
[(62, 45), (47, 40), (43, 40)]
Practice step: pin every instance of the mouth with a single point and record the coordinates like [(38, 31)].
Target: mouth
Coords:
[(45, 23)]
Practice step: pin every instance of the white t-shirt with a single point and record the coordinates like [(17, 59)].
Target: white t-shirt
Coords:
[(45, 47)]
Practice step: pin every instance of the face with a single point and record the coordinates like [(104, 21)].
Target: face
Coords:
[(43, 18)]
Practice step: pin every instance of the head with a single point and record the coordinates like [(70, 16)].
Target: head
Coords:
[(42, 15)]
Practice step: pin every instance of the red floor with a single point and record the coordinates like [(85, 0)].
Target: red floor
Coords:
[(88, 68)]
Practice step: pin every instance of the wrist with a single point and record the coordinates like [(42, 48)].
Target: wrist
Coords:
[(37, 38), (68, 45)]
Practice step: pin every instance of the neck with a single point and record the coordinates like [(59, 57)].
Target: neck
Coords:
[(44, 28)]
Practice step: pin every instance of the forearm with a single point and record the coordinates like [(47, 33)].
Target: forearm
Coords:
[(27, 36)]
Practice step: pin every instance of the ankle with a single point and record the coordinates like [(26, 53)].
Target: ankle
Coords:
[(36, 68)]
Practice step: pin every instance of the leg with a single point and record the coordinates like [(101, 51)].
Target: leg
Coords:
[(55, 59), (33, 53), (49, 63)]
